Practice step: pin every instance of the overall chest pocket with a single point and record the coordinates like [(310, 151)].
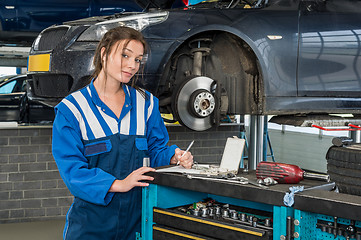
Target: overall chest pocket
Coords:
[(97, 154), (142, 148)]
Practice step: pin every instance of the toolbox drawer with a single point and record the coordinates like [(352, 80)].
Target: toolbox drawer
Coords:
[(208, 227), (165, 233)]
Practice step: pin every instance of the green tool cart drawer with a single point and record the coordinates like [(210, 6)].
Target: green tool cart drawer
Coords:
[(214, 228)]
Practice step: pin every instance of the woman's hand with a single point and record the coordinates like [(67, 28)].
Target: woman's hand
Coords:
[(185, 161), (132, 180)]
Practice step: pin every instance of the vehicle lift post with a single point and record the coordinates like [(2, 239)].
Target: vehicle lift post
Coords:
[(356, 136), (259, 141)]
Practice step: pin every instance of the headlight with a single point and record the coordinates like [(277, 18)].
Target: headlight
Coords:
[(35, 45), (138, 22)]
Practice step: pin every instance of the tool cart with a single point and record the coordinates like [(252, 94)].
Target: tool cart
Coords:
[(233, 210)]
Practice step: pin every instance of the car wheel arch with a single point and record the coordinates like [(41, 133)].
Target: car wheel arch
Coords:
[(243, 56)]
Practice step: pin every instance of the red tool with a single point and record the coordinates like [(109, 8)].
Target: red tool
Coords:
[(286, 173)]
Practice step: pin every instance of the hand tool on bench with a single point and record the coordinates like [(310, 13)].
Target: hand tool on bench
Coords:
[(225, 178), (286, 173), (326, 187)]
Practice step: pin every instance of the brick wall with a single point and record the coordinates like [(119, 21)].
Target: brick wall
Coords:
[(30, 185)]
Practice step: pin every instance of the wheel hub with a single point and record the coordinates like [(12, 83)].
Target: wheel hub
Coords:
[(203, 103)]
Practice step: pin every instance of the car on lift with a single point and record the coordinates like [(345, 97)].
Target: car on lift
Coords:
[(16, 107), (21, 21), (219, 58)]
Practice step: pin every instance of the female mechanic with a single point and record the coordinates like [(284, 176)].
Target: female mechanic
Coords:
[(102, 133)]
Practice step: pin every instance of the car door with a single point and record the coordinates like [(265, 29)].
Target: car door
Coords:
[(10, 100), (36, 111), (329, 48)]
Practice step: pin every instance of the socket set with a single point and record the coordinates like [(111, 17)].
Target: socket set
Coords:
[(224, 212), (338, 227), (209, 218)]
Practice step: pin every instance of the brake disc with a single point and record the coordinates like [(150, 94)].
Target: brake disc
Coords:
[(195, 103)]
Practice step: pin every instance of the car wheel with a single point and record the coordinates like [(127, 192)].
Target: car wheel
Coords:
[(344, 168)]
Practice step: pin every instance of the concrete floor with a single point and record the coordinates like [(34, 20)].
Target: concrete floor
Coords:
[(49, 230)]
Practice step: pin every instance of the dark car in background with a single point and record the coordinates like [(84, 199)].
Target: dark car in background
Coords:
[(22, 20), (15, 106), (219, 58)]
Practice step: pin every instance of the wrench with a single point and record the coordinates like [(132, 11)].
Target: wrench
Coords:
[(251, 182), (240, 180)]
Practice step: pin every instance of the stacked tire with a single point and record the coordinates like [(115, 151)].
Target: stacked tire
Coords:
[(344, 168)]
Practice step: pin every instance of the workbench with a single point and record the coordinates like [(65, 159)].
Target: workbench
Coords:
[(315, 214)]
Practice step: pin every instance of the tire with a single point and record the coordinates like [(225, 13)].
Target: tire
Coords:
[(344, 168), (344, 165)]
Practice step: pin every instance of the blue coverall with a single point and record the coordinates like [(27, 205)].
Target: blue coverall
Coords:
[(92, 148)]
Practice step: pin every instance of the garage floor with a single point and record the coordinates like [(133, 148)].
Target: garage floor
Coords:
[(33, 230)]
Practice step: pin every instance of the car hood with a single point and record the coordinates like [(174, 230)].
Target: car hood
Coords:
[(159, 4), (146, 5), (97, 19), (169, 5)]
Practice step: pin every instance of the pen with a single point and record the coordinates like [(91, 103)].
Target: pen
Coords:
[(189, 147)]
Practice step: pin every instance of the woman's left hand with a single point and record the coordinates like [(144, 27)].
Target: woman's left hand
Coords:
[(185, 161)]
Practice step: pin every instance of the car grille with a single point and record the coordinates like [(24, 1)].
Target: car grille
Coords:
[(51, 37), (51, 85)]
